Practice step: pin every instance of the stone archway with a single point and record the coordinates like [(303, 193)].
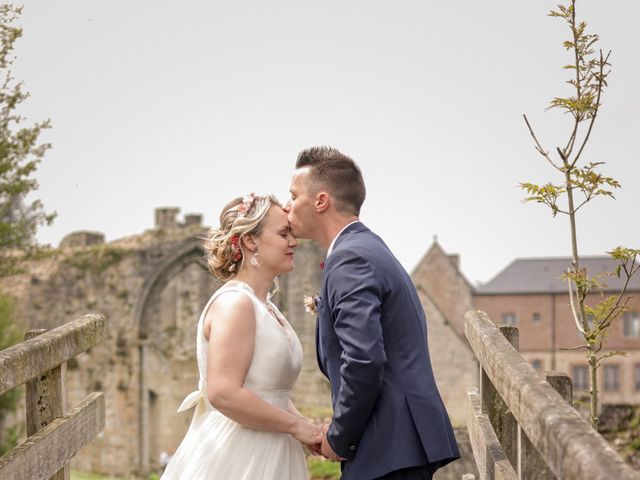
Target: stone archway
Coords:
[(166, 319)]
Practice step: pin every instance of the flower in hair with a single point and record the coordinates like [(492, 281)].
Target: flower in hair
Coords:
[(236, 252), (245, 206)]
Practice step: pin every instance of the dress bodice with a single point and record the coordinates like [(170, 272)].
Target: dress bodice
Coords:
[(277, 356), (215, 446)]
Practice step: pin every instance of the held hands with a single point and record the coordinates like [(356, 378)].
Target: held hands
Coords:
[(326, 449), (315, 438), (308, 434)]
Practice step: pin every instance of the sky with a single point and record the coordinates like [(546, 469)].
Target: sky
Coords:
[(192, 103)]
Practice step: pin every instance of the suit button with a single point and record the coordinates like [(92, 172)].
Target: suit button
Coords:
[(352, 448)]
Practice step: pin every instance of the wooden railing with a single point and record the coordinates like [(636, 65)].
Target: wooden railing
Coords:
[(53, 435), (522, 424)]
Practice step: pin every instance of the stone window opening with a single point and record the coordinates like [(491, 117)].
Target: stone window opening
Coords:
[(536, 317), (537, 364)]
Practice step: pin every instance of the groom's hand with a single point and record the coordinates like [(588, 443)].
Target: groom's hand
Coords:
[(327, 451)]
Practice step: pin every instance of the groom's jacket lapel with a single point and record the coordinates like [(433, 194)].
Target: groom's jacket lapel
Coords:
[(324, 313)]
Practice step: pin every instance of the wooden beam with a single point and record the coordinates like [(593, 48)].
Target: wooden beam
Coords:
[(490, 457), (33, 357), (567, 442), (46, 452)]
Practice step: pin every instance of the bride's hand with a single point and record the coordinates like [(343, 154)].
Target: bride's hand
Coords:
[(307, 433)]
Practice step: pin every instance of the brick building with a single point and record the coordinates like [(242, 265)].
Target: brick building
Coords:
[(529, 294)]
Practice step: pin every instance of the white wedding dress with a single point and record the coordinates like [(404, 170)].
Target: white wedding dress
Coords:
[(217, 448)]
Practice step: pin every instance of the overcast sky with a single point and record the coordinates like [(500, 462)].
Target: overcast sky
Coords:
[(190, 104)]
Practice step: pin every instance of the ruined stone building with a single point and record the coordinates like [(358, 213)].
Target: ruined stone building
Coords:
[(152, 287)]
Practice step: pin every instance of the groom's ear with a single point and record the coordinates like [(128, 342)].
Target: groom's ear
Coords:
[(322, 202)]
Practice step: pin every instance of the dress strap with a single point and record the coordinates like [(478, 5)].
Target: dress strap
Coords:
[(198, 398), (237, 287)]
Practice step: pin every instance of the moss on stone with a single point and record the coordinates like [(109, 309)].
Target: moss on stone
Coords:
[(96, 259)]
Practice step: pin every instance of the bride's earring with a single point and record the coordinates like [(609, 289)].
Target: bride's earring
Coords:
[(255, 263)]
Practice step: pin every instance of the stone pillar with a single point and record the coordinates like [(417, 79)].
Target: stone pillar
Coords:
[(143, 410), (166, 218), (192, 219)]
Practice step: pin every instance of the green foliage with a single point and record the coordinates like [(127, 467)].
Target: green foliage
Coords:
[(20, 152), (321, 469), (10, 440), (10, 334), (547, 194)]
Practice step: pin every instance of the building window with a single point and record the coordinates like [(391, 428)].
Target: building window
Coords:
[(611, 378), (509, 319), (637, 377), (536, 317), (536, 364), (631, 322), (580, 377)]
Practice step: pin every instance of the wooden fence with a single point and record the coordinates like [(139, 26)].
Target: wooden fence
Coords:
[(522, 424), (54, 435)]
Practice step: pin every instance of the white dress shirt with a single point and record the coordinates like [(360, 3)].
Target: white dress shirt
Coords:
[(336, 237)]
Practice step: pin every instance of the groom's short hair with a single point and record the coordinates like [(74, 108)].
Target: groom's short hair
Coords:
[(338, 173)]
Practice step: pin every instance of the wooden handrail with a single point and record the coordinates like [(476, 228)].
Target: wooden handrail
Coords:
[(569, 445), (33, 357)]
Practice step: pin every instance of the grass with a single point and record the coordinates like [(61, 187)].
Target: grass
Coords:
[(319, 469), (76, 475)]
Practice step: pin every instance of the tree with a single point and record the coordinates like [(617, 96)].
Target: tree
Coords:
[(580, 184), (20, 154)]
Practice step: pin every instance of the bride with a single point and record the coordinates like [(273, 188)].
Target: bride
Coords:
[(245, 426)]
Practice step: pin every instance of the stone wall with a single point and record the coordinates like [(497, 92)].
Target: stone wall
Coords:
[(438, 273), (151, 288)]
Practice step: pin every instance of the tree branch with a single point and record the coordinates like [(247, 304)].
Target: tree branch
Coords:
[(596, 108), (539, 147)]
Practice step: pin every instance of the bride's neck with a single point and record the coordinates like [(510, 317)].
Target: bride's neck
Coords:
[(260, 282)]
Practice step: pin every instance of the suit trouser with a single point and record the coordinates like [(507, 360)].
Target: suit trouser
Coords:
[(412, 473)]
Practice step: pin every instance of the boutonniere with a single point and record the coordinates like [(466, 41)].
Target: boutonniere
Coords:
[(311, 304), (321, 265)]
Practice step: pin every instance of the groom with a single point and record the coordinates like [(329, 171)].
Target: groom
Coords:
[(389, 421)]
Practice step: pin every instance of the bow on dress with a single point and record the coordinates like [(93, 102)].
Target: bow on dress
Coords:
[(196, 399)]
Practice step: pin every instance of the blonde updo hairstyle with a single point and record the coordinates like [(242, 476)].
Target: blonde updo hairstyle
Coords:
[(240, 217)]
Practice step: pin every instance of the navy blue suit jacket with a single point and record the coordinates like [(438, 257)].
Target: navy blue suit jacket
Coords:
[(371, 340)]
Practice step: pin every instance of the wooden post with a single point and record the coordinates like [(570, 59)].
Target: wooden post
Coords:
[(531, 464), (46, 401), (489, 455), (554, 427), (502, 419)]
